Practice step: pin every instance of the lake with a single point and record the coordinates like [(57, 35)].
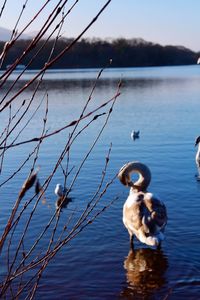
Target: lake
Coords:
[(164, 104)]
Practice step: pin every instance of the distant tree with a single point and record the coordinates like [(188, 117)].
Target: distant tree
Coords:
[(94, 53)]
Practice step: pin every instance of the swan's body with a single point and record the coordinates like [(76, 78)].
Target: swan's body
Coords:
[(144, 215), (135, 134), (197, 157)]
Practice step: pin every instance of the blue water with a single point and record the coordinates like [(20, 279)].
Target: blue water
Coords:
[(164, 104)]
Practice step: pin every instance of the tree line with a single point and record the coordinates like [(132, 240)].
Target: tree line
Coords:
[(96, 53)]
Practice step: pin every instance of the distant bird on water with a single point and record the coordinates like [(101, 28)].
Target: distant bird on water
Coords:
[(63, 198), (135, 134), (198, 61), (197, 157), (60, 191), (144, 215)]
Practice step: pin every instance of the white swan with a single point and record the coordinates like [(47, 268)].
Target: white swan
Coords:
[(197, 157), (144, 215)]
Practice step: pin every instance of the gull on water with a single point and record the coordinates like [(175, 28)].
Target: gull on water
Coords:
[(135, 134), (63, 199), (60, 191)]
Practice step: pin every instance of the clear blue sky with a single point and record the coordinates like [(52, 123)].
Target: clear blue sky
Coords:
[(175, 22)]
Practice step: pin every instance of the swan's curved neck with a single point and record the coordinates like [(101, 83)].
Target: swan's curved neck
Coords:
[(135, 167)]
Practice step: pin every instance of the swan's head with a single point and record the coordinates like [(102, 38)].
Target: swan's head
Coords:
[(142, 170), (197, 141)]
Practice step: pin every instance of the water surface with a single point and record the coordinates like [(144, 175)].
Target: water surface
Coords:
[(164, 104)]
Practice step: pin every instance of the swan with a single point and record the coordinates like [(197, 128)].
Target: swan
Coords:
[(144, 215), (135, 134), (197, 157)]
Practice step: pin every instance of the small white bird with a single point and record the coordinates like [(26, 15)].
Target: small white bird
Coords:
[(63, 199), (144, 215), (60, 191), (198, 61), (135, 134)]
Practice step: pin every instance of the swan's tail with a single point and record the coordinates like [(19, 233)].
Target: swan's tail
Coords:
[(152, 240)]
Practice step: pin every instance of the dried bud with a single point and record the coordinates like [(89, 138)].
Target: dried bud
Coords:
[(28, 184)]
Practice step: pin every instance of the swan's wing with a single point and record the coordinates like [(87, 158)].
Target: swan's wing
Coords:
[(156, 213), (143, 213)]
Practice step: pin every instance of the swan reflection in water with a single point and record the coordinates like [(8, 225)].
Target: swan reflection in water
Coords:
[(145, 273)]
